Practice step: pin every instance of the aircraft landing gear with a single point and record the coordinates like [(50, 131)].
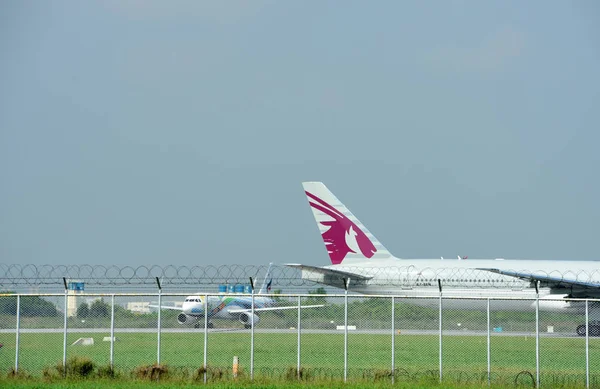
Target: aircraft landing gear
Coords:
[(594, 327), (247, 326), (210, 325)]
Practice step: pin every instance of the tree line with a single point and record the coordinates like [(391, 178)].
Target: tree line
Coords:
[(30, 306)]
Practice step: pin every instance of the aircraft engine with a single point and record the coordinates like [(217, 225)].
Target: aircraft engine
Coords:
[(247, 320), (186, 320), (557, 303)]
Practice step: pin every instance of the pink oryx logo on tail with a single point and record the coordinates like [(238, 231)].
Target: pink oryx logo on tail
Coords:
[(342, 236)]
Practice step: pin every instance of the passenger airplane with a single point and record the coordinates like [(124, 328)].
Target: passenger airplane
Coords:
[(356, 255), (229, 307)]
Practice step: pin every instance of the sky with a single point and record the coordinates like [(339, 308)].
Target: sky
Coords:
[(153, 132)]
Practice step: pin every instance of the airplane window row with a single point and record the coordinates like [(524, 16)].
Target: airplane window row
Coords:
[(465, 280)]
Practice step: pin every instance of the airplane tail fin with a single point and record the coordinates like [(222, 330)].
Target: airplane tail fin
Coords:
[(267, 282), (345, 237)]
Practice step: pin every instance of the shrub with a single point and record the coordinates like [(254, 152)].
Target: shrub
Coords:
[(292, 374), (106, 372), (99, 309), (83, 311), (382, 374), (76, 367), (14, 374), (213, 373), (151, 372), (79, 367), (199, 373)]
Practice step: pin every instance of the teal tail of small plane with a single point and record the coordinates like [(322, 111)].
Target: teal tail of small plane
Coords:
[(267, 282)]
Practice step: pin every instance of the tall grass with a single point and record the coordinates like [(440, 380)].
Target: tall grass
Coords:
[(244, 383), (369, 357)]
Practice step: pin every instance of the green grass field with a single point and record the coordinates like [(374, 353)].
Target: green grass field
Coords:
[(416, 356)]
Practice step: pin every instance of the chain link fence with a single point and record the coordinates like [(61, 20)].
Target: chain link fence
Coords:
[(345, 337)]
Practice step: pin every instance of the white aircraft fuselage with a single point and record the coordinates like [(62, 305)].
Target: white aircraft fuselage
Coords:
[(358, 256), (220, 307), (463, 279)]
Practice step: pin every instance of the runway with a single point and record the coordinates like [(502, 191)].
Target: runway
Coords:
[(398, 332)]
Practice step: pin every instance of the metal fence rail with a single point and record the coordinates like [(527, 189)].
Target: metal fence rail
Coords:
[(351, 337)]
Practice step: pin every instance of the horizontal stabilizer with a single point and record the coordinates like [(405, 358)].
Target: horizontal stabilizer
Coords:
[(329, 276), (273, 308), (165, 307), (578, 288)]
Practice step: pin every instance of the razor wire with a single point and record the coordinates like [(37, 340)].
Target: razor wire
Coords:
[(97, 277), (410, 276)]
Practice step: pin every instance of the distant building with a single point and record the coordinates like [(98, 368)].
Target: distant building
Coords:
[(74, 289), (139, 306), (144, 306)]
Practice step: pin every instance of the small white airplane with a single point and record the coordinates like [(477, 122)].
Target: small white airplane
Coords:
[(229, 307), (356, 255)]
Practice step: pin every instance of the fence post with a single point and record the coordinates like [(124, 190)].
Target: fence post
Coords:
[(587, 345), (299, 325), (440, 330), (393, 338), (537, 334), (346, 283), (18, 333), (489, 346), (158, 325), (112, 331), (65, 329), (205, 338), (252, 331)]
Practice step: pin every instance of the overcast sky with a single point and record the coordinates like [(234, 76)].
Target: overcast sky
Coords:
[(173, 132)]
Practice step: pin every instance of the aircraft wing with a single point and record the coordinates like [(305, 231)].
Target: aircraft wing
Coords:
[(272, 308), (165, 307), (328, 276), (577, 288)]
